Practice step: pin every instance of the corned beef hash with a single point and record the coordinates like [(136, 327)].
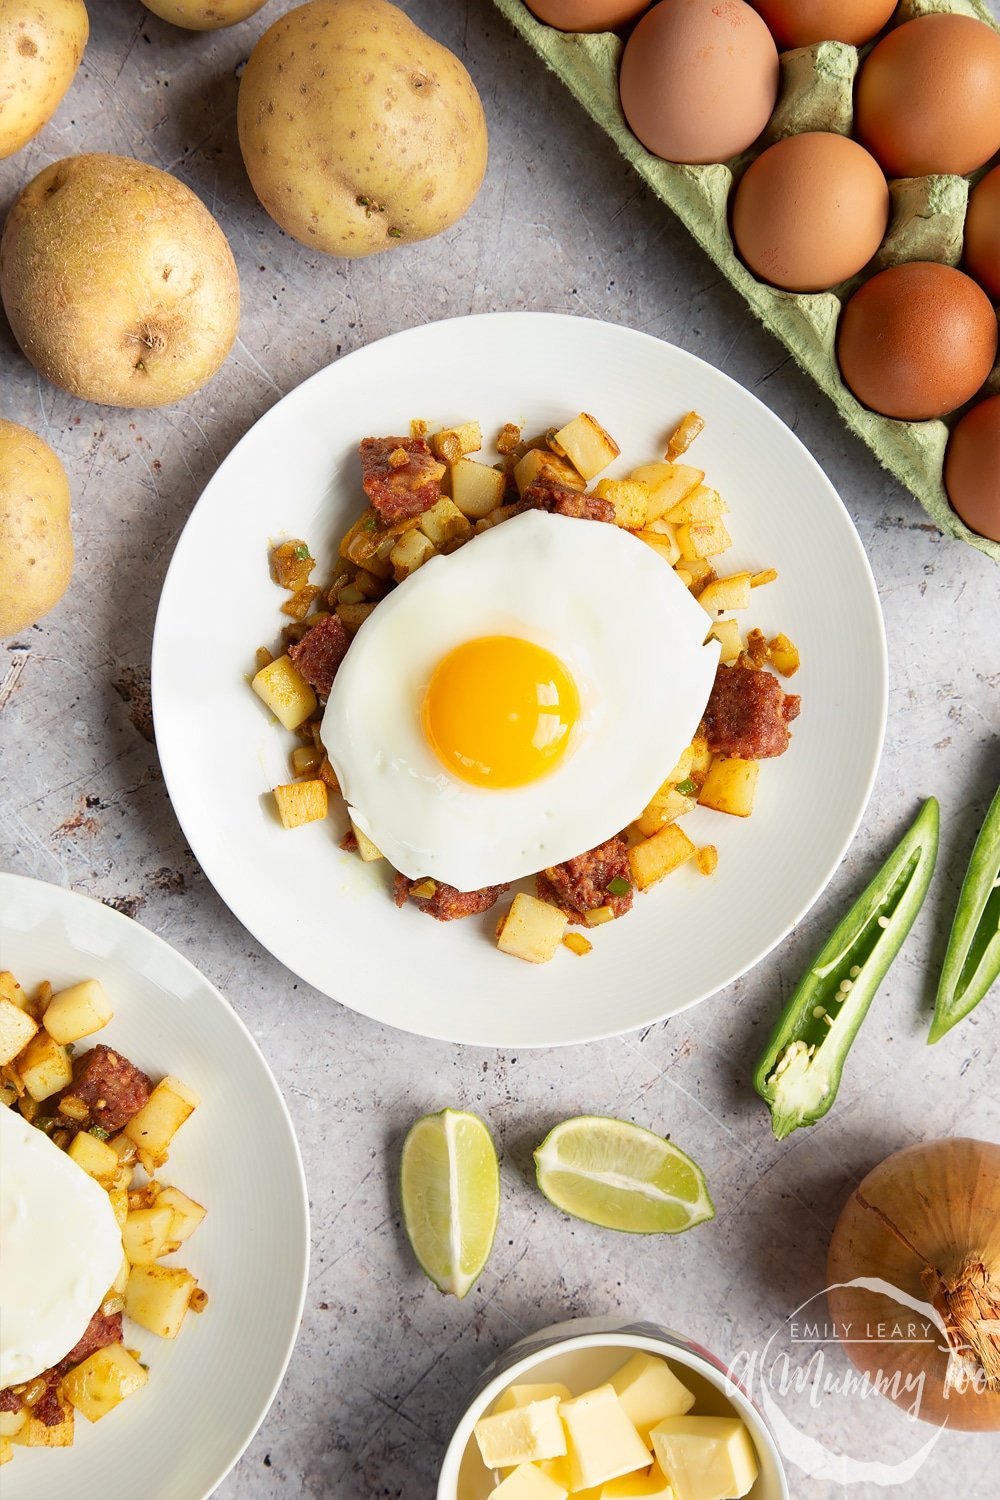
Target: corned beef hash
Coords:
[(81, 1238), (470, 679)]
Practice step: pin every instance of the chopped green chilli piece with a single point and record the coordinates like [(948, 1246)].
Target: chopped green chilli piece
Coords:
[(370, 523), (799, 1073), (619, 886), (99, 1131), (972, 961), (302, 552), (686, 787)]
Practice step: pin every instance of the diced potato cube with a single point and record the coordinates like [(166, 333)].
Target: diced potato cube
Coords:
[(730, 786), (663, 543), (702, 504), (727, 633), (368, 850), (707, 1458), (46, 1068), (666, 807), (683, 435), (104, 1379), (119, 1204), (16, 1029), (668, 485), (444, 522), (522, 1395), (702, 539), (11, 1422), (186, 1214), (658, 856), (642, 1484), (521, 1435), (354, 615), (701, 757), (699, 572), (528, 1482), (726, 593), (409, 553), (601, 1442), (541, 463), (649, 1391), (630, 498), (285, 691), (707, 859), (157, 1298), (162, 1115), (532, 930), (577, 943), (11, 990), (476, 488), (35, 1434), (300, 802), (784, 655), (453, 442), (77, 1011), (587, 446), (291, 564), (96, 1157), (146, 1232)]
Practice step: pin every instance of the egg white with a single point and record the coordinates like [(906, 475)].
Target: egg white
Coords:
[(603, 602)]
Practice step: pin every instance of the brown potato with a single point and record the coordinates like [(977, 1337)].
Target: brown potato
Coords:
[(41, 44), (36, 544), (358, 131)]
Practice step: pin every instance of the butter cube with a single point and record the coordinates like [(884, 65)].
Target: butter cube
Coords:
[(649, 1391), (521, 1436), (602, 1442), (645, 1484), (528, 1483), (705, 1458), (522, 1395)]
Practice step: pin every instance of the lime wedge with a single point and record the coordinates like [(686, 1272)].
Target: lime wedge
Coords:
[(450, 1187), (620, 1176)]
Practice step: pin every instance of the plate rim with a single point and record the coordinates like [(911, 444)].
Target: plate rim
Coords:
[(118, 921), (879, 661)]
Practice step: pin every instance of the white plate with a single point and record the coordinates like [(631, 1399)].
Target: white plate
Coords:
[(326, 915), (209, 1388)]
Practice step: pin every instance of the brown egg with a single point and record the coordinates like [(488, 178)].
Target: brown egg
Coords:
[(587, 15), (972, 468), (799, 23), (810, 211), (982, 233), (917, 341), (928, 97), (699, 79)]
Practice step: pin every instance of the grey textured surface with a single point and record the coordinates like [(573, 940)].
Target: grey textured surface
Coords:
[(383, 1363)]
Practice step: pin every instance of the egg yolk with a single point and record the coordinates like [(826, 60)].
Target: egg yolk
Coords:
[(499, 711)]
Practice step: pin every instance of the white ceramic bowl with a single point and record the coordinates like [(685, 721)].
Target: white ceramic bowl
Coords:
[(582, 1353)]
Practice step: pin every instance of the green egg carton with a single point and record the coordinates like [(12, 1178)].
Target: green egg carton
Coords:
[(926, 224)]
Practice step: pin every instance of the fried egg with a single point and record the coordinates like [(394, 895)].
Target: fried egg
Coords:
[(60, 1250), (518, 702)]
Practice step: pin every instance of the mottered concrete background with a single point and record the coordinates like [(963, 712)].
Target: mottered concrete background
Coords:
[(384, 1363)]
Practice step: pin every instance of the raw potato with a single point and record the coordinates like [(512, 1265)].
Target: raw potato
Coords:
[(36, 544), (203, 15), (358, 131), (119, 285), (41, 44)]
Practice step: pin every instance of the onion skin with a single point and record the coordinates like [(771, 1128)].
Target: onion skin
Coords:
[(927, 1220)]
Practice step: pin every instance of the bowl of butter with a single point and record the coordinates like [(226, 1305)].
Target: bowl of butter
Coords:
[(598, 1409)]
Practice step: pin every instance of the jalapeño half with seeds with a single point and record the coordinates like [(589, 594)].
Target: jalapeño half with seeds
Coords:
[(799, 1073)]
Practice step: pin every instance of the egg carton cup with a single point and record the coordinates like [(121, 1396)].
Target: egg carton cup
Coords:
[(926, 222)]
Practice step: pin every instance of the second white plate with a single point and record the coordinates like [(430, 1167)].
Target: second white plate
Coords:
[(329, 917)]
